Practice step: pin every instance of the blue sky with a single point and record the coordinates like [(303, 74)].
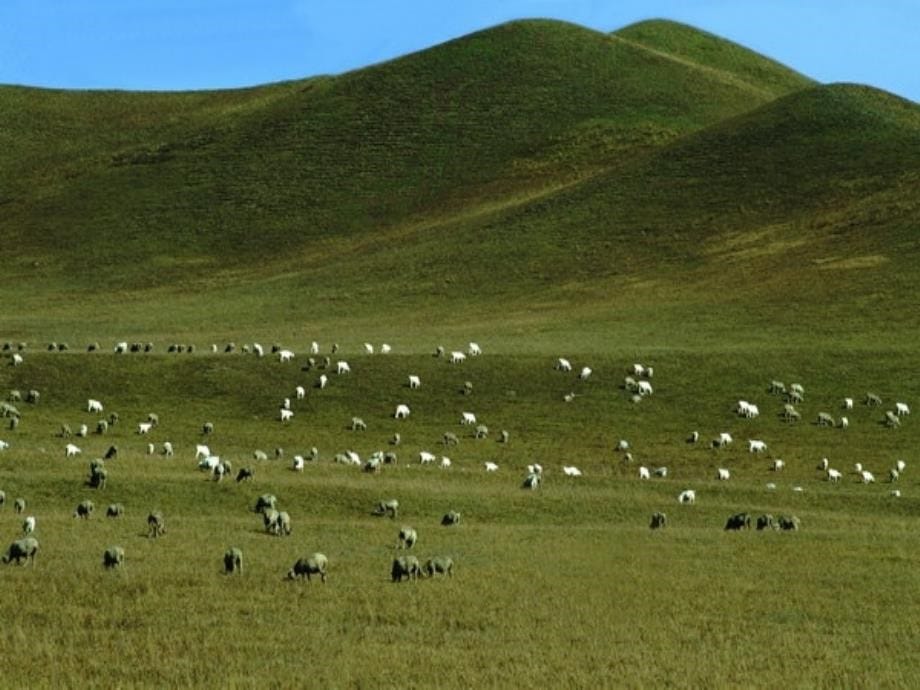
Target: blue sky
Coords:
[(198, 44)]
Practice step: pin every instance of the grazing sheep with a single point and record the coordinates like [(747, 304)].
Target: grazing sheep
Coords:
[(644, 388), (297, 463), (156, 524), (322, 382), (202, 451), (450, 439), (467, 388), (490, 466), (22, 550), (790, 414), (777, 387), (756, 446), (286, 415), (385, 349), (265, 502), (102, 427), (33, 396), (747, 410), (790, 523), (766, 521), (457, 357), (778, 465), (19, 506), (571, 471), (535, 468), (82, 431), (98, 477), (426, 458), (661, 472), (317, 564), (857, 467), (28, 525), (167, 449), (694, 437), (373, 464), (439, 564), (844, 423), (407, 538), (114, 510), (468, 418), (891, 420), (84, 510), (901, 409), (482, 431), (445, 462), (357, 424), (825, 419), (834, 475), (900, 465), (504, 436), (16, 359), (245, 474), (451, 518), (300, 392), (658, 521), (113, 557), (848, 403), (893, 475), (93, 405), (532, 481), (584, 373), (724, 439), (872, 400), (221, 470), (233, 561), (474, 350), (4, 445), (281, 525), (562, 364), (794, 397), (144, 427), (209, 463), (285, 355), (687, 496), (568, 397), (342, 367), (867, 477), (738, 521), (259, 455), (405, 566), (207, 428), (644, 473), (723, 474), (390, 508)]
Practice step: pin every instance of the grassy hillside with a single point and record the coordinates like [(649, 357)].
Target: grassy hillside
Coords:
[(207, 191)]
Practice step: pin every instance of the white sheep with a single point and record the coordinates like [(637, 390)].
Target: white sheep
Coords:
[(844, 423), (445, 462), (834, 475), (900, 465), (286, 415), (474, 350), (202, 451), (535, 468), (490, 466), (314, 348), (323, 381), (644, 473), (723, 474), (723, 440), (342, 367), (571, 471), (584, 373), (300, 392), (208, 463), (638, 370), (622, 445), (286, 403), (28, 525), (457, 357), (661, 472), (644, 388), (426, 458), (756, 446), (468, 418), (562, 364), (144, 427), (368, 348), (71, 451), (4, 445), (694, 437), (848, 403), (402, 411), (151, 449), (893, 475), (901, 409), (867, 477), (687, 496), (823, 464), (385, 349), (298, 463), (167, 449), (121, 348), (93, 405), (16, 360), (414, 381), (778, 465)]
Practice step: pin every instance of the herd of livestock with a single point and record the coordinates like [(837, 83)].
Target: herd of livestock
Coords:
[(637, 384)]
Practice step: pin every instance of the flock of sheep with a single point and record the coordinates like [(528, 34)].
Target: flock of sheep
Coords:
[(637, 384)]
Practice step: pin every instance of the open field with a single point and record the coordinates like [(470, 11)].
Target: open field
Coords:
[(566, 581)]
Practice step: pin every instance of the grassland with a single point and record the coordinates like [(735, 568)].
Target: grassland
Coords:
[(565, 582), (656, 194)]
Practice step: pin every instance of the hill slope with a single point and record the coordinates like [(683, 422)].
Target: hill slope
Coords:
[(577, 179)]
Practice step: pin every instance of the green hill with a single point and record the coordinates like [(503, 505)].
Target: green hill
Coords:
[(536, 175)]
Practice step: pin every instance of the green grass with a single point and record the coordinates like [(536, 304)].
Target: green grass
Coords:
[(656, 195), (570, 570)]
